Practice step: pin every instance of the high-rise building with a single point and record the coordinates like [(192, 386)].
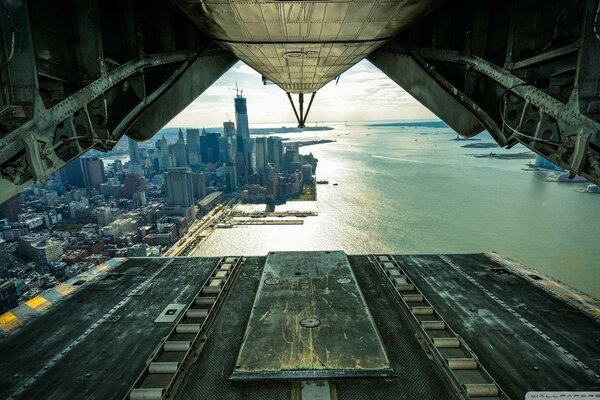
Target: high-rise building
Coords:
[(262, 156), (275, 150), (163, 147), (133, 183), (8, 296), (242, 138), (199, 185), (209, 148), (93, 171), (307, 173), (73, 173), (226, 175), (118, 166), (134, 152), (241, 117), (179, 152), (193, 146), (179, 186), (4, 257), (11, 208), (228, 129)]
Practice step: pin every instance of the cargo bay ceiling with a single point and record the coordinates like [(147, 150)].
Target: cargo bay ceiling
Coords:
[(80, 74), (302, 45)]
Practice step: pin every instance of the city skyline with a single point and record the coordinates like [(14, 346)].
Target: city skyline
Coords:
[(363, 93)]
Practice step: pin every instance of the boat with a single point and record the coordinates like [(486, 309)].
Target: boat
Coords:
[(593, 189), (323, 182)]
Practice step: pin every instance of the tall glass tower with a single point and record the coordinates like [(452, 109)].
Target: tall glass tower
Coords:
[(242, 137)]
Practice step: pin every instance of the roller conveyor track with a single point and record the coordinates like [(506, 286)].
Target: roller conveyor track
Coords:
[(184, 343), (456, 360)]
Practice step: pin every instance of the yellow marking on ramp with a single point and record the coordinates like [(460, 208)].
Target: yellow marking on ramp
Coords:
[(38, 303), (9, 322), (64, 289)]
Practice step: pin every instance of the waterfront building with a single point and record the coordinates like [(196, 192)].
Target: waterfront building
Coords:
[(210, 200), (307, 173), (199, 185)]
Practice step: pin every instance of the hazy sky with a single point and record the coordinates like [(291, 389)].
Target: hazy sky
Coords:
[(363, 93)]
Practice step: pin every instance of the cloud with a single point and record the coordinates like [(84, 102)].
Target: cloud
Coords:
[(242, 68), (363, 93)]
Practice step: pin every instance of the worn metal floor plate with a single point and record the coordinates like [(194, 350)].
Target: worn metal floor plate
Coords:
[(310, 320)]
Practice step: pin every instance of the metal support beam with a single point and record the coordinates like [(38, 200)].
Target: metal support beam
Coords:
[(556, 130), (301, 102), (312, 97), (294, 108), (301, 118), (34, 150)]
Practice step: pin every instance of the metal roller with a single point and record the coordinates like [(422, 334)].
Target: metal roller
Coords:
[(425, 310), (196, 313), (146, 394), (205, 301), (163, 367), (211, 290), (173, 345), (413, 298), (461, 363), (481, 390), (187, 328), (406, 287), (446, 343), (433, 325)]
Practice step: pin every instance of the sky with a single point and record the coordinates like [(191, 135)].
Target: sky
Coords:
[(363, 93)]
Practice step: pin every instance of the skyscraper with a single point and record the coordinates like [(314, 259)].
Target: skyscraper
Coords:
[(228, 129), (12, 207), (275, 150), (179, 185), (74, 173), (193, 146), (241, 117), (242, 138), (228, 143), (209, 148), (262, 156), (93, 171), (134, 152), (179, 151)]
